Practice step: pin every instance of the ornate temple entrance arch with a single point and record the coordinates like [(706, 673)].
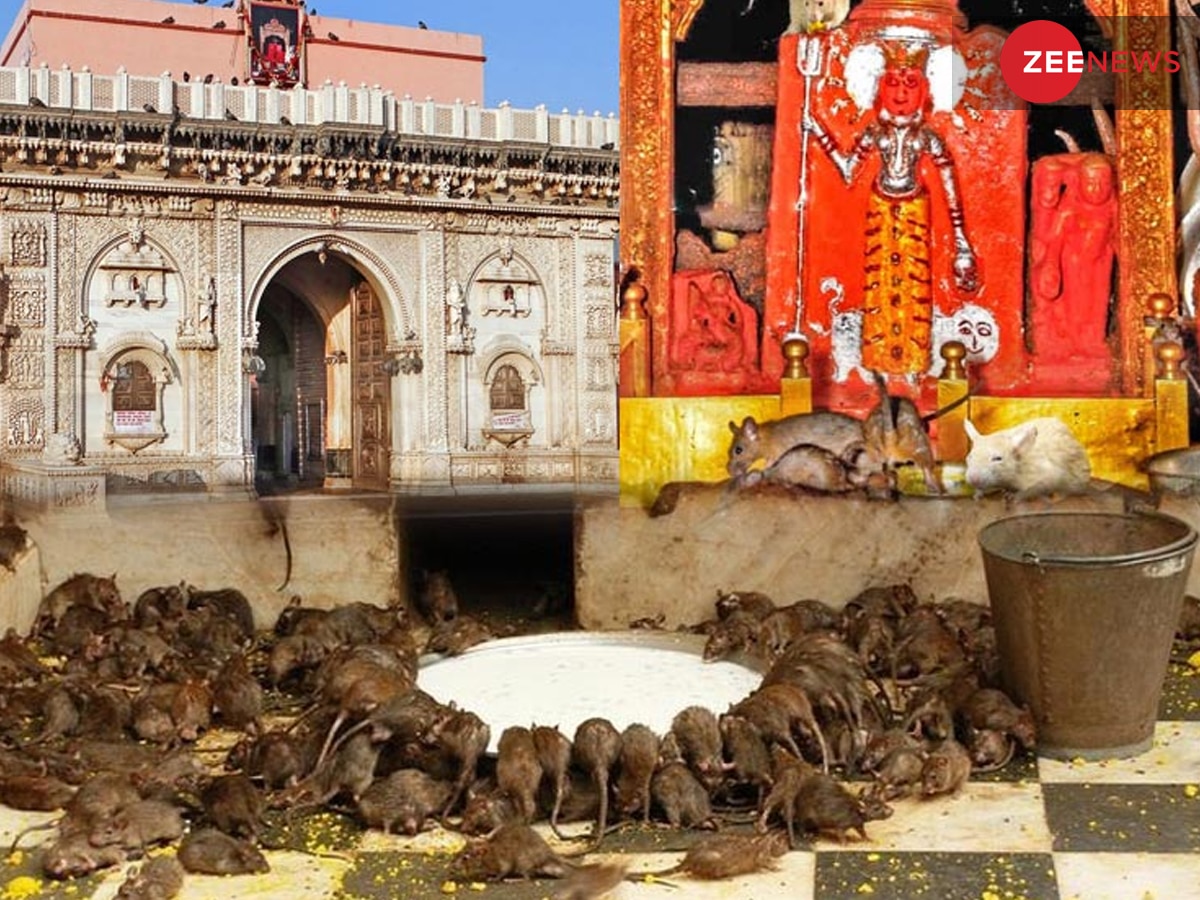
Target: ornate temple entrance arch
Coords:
[(335, 414)]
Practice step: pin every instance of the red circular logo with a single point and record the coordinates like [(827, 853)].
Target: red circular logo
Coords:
[(1042, 61)]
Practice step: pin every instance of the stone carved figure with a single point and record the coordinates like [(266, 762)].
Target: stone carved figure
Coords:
[(713, 341), (456, 308), (1073, 249), (897, 323)]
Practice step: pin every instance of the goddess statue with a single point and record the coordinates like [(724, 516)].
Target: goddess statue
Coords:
[(897, 322)]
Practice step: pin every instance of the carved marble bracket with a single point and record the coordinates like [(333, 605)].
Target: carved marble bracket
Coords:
[(79, 339)]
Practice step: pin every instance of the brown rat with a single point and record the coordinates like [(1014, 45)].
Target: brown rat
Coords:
[(749, 759), (42, 793), (518, 772), (682, 798), (464, 737), (237, 696), (638, 760), (991, 708), (947, 768), (405, 798), (826, 808), (553, 750), (234, 805), (815, 468), (597, 749), (590, 882), (721, 856), (207, 851), (768, 441), (512, 851), (158, 878), (752, 603), (778, 710), (73, 856), (895, 435), (82, 589), (788, 773), (698, 736), (136, 826), (437, 600)]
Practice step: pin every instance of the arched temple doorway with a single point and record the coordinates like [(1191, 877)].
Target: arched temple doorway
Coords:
[(321, 405)]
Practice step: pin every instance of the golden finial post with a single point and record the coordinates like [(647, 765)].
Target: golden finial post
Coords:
[(795, 387), (634, 343)]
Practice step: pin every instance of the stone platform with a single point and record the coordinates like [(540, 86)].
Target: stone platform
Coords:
[(632, 563)]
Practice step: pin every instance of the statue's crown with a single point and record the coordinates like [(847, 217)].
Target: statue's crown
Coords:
[(905, 56)]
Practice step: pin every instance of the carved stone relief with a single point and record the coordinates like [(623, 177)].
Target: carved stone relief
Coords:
[(27, 244), (25, 429), (27, 300), (26, 367)]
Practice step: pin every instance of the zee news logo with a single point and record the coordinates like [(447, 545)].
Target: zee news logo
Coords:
[(1042, 61)]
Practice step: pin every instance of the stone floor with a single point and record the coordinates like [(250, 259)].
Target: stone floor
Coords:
[(1039, 830)]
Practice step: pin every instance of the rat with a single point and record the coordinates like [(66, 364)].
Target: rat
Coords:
[(682, 798), (82, 589), (788, 773), (894, 435), (136, 826), (234, 805), (553, 750), (749, 758), (406, 797), (237, 696), (824, 807), (777, 709), (698, 736), (992, 709), (158, 878), (437, 601), (722, 856), (1037, 458), (590, 882), (464, 737), (816, 468), (638, 760), (518, 772), (597, 749), (947, 768), (157, 605), (42, 793), (768, 441), (73, 856), (752, 603), (736, 633), (207, 851), (511, 851)]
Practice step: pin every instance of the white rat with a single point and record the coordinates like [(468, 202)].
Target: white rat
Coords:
[(1033, 459)]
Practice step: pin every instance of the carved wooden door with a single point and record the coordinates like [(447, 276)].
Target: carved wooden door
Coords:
[(372, 396)]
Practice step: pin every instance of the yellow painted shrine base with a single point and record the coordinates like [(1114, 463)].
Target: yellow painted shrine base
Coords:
[(666, 439)]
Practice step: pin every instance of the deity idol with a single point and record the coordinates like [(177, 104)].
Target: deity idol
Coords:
[(897, 324), (1073, 249)]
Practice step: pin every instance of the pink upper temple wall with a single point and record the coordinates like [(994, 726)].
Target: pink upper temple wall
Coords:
[(105, 35)]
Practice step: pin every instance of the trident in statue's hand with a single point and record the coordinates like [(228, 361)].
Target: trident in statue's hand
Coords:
[(809, 62)]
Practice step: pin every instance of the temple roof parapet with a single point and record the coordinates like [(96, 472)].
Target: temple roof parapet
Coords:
[(329, 104)]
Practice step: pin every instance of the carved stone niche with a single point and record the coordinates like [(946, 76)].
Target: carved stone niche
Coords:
[(505, 286), (135, 373), (134, 273), (508, 386)]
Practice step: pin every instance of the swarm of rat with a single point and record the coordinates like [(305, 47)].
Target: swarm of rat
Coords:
[(101, 706)]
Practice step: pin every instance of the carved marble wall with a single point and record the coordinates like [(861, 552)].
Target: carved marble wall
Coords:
[(96, 280)]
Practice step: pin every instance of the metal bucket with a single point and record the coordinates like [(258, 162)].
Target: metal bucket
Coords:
[(1085, 607)]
